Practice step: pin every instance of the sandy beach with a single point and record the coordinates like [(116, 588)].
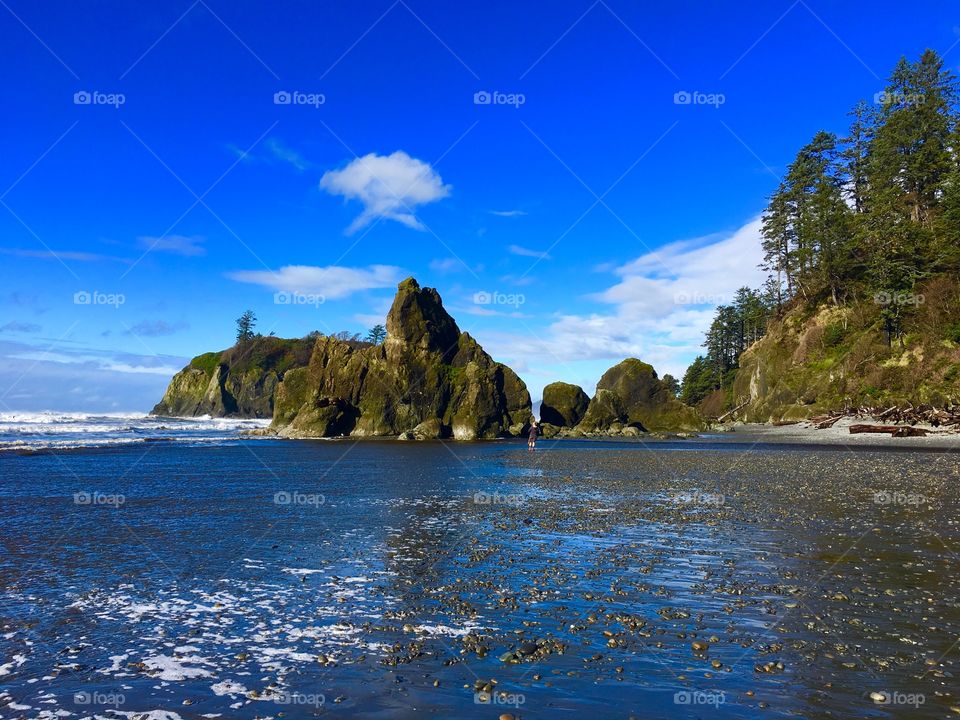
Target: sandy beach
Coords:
[(806, 433)]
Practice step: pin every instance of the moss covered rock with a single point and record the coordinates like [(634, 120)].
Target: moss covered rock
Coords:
[(238, 382), (631, 395), (428, 380), (564, 405)]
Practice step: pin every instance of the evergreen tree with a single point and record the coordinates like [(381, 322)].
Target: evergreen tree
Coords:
[(245, 325), (377, 334), (670, 384), (697, 382), (853, 156)]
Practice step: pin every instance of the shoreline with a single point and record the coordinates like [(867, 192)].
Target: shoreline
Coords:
[(803, 432), (806, 433)]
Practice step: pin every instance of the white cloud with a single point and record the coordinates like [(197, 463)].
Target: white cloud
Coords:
[(389, 186), (96, 362), (332, 282), (176, 244), (660, 307), (528, 252), (508, 213)]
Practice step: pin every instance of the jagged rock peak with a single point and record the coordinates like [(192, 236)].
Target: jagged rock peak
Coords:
[(418, 319)]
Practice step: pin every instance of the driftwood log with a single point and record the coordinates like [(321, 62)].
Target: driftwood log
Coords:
[(729, 413), (892, 430)]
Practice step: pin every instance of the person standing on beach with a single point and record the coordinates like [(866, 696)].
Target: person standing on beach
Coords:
[(532, 437)]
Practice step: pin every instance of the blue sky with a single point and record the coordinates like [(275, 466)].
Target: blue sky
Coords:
[(175, 163)]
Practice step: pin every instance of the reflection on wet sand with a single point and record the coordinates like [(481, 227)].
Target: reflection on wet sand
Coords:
[(717, 582)]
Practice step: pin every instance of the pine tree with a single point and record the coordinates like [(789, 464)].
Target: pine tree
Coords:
[(245, 325), (853, 156), (377, 334)]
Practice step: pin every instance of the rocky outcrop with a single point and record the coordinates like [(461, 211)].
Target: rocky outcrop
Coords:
[(563, 404), (238, 382), (427, 380), (630, 395), (821, 359)]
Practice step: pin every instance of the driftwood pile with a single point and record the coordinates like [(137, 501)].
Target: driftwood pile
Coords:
[(897, 421)]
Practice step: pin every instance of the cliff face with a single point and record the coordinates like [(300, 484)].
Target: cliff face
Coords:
[(428, 380), (818, 359), (238, 382)]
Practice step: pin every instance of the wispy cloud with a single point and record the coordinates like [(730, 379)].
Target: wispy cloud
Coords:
[(453, 265), (281, 152), (85, 380), (276, 152), (175, 244), (389, 186), (507, 213), (528, 252), (96, 363), (61, 255), (156, 328), (20, 327), (446, 265), (332, 281), (659, 307)]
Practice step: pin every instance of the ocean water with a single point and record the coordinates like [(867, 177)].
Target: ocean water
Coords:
[(211, 575), (31, 431)]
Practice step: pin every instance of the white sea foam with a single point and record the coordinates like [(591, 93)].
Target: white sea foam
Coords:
[(170, 668), (16, 662), (228, 687), (301, 571), (21, 431)]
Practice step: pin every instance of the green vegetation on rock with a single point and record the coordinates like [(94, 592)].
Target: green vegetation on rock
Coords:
[(426, 378), (237, 382), (563, 405)]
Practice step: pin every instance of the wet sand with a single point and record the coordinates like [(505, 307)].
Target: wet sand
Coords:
[(692, 578)]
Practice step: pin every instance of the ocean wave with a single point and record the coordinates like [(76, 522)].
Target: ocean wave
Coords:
[(25, 431)]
